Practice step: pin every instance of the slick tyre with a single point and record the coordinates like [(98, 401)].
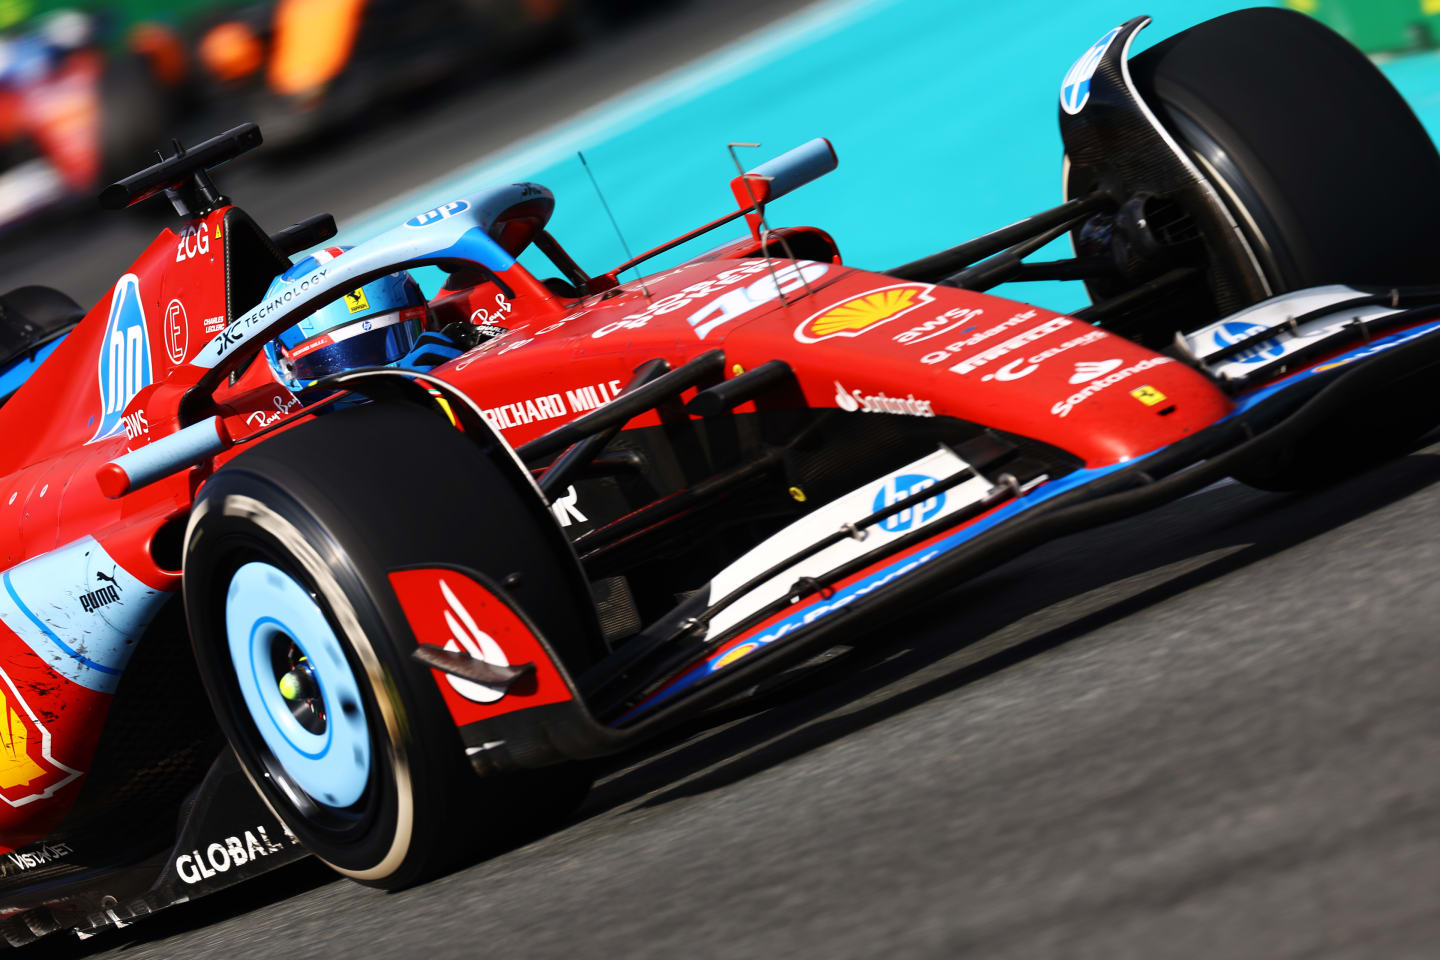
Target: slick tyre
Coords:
[(305, 652), (1323, 164), (1329, 175)]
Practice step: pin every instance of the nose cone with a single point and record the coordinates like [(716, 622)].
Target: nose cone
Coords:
[(998, 363), (1122, 401)]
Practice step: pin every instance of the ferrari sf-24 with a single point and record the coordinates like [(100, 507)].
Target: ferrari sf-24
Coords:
[(295, 564)]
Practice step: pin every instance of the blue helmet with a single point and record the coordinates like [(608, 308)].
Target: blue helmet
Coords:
[(374, 325)]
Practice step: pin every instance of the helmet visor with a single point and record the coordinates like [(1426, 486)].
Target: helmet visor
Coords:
[(372, 342)]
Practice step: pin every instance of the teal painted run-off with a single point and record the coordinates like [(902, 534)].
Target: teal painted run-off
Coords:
[(943, 113)]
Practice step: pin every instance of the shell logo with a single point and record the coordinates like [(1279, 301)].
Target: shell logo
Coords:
[(27, 771), (17, 767), (864, 312)]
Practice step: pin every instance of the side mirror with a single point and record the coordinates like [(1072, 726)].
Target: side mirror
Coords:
[(784, 174), (310, 232)]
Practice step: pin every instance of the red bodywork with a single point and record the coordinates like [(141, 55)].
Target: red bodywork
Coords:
[(61, 114), (589, 352), (855, 340)]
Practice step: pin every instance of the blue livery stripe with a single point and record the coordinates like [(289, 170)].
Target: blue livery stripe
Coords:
[(40, 625)]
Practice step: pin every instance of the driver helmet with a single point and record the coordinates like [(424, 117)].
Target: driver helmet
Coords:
[(373, 325)]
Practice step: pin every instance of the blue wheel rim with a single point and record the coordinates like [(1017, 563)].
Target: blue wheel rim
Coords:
[(264, 608)]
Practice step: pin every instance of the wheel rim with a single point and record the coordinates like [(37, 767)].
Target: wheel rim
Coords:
[(297, 685)]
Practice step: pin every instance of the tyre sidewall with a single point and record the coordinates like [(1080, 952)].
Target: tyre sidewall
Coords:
[(243, 517), (1331, 175)]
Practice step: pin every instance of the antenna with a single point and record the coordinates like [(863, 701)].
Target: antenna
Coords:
[(623, 245)]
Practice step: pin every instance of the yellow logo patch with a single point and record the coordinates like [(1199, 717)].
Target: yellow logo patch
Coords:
[(730, 656), (17, 767), (27, 770), (355, 300), (1148, 395), (858, 314)]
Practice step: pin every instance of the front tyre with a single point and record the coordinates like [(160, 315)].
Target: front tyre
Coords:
[(1330, 177), (1323, 164), (305, 652)]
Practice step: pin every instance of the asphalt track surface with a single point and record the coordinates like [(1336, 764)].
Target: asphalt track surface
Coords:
[(1206, 732), (1211, 731)]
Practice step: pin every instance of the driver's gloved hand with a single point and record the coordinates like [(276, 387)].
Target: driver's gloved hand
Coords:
[(430, 350), (433, 349), (465, 334)]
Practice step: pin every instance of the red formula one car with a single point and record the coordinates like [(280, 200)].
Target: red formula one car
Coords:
[(75, 109), (412, 603)]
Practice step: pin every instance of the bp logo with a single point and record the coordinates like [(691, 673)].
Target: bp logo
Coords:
[(439, 213), (1236, 330), (1075, 88), (895, 489), (124, 362)]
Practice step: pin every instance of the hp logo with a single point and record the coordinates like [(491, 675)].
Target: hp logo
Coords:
[(1236, 330), (895, 489)]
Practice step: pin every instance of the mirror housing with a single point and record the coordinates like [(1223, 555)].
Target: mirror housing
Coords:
[(784, 174)]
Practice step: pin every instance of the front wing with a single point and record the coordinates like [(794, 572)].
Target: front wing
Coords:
[(793, 609)]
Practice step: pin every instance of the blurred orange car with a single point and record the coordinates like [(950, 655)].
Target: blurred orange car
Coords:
[(302, 67)]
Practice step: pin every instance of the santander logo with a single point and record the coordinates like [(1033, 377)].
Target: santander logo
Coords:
[(853, 401), (1087, 370)]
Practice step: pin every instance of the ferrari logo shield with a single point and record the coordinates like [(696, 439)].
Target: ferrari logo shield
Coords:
[(357, 301), (858, 314), (1148, 395), (27, 772)]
